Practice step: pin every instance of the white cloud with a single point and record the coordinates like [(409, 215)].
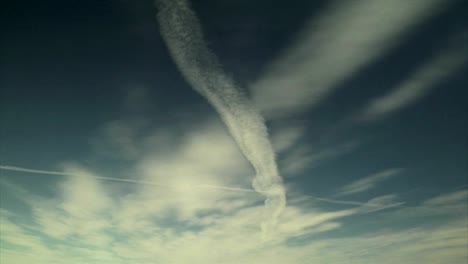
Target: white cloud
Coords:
[(81, 207), (381, 203), (300, 158), (170, 224), (347, 36), (367, 183), (81, 182), (91, 221), (285, 138), (420, 83), (451, 205), (448, 199), (235, 238), (183, 35)]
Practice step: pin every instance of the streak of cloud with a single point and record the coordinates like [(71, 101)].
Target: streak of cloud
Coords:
[(373, 205), (183, 35), (332, 47), (420, 83), (198, 186), (368, 182), (202, 186)]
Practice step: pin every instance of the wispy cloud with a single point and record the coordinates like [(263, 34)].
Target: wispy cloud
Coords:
[(89, 220), (347, 36), (123, 180), (285, 138), (367, 183), (76, 173), (449, 199), (207, 236), (373, 205), (301, 158), (21, 169), (418, 84)]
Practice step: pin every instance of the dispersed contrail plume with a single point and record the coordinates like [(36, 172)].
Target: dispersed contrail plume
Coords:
[(183, 35)]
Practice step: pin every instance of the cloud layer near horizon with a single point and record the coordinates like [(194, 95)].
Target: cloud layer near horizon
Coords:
[(91, 220)]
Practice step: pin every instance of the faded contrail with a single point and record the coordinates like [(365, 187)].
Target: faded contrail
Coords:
[(182, 33), (21, 169), (203, 186)]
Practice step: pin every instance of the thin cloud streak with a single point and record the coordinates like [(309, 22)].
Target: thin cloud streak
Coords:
[(369, 206), (200, 186), (204, 186), (20, 169), (418, 84), (368, 182), (333, 47)]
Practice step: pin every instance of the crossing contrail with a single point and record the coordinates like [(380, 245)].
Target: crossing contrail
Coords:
[(184, 38), (364, 205)]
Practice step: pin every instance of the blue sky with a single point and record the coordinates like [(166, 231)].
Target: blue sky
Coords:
[(110, 152)]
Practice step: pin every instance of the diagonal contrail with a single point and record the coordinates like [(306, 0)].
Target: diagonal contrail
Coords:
[(183, 35)]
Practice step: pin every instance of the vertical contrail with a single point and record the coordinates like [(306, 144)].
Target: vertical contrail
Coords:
[(182, 33)]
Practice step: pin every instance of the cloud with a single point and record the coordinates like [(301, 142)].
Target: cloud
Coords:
[(381, 203), (367, 183), (285, 138), (417, 85), (20, 169), (91, 220), (228, 237), (300, 158), (82, 181), (82, 211), (191, 202), (450, 199), (184, 38), (124, 180), (443, 244), (373, 205), (346, 37)]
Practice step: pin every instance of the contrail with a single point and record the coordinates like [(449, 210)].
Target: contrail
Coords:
[(183, 35), (204, 186), (370, 205), (13, 168)]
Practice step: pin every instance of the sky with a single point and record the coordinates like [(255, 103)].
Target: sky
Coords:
[(234, 132)]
